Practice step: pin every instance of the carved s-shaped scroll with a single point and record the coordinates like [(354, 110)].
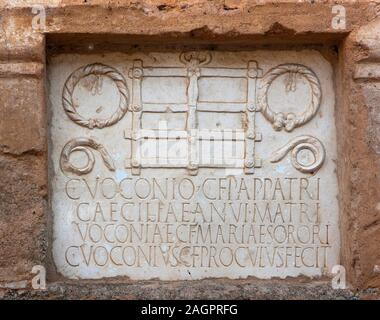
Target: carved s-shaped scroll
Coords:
[(85, 145), (296, 145)]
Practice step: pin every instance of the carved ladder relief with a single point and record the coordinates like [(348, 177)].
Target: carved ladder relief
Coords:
[(194, 71)]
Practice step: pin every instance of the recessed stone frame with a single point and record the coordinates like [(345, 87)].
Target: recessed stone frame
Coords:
[(24, 138)]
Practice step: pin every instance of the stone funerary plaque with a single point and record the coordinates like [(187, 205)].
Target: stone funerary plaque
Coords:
[(188, 165)]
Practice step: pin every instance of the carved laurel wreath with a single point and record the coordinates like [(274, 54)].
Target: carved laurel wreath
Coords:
[(289, 121), (95, 69)]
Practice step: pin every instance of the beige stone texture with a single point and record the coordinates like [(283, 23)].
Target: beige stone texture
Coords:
[(99, 26)]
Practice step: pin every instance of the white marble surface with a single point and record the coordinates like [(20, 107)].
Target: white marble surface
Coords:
[(170, 219)]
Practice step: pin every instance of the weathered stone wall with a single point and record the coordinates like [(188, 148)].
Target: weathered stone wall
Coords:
[(25, 219)]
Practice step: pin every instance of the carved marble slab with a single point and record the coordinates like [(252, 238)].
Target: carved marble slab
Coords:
[(188, 165)]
